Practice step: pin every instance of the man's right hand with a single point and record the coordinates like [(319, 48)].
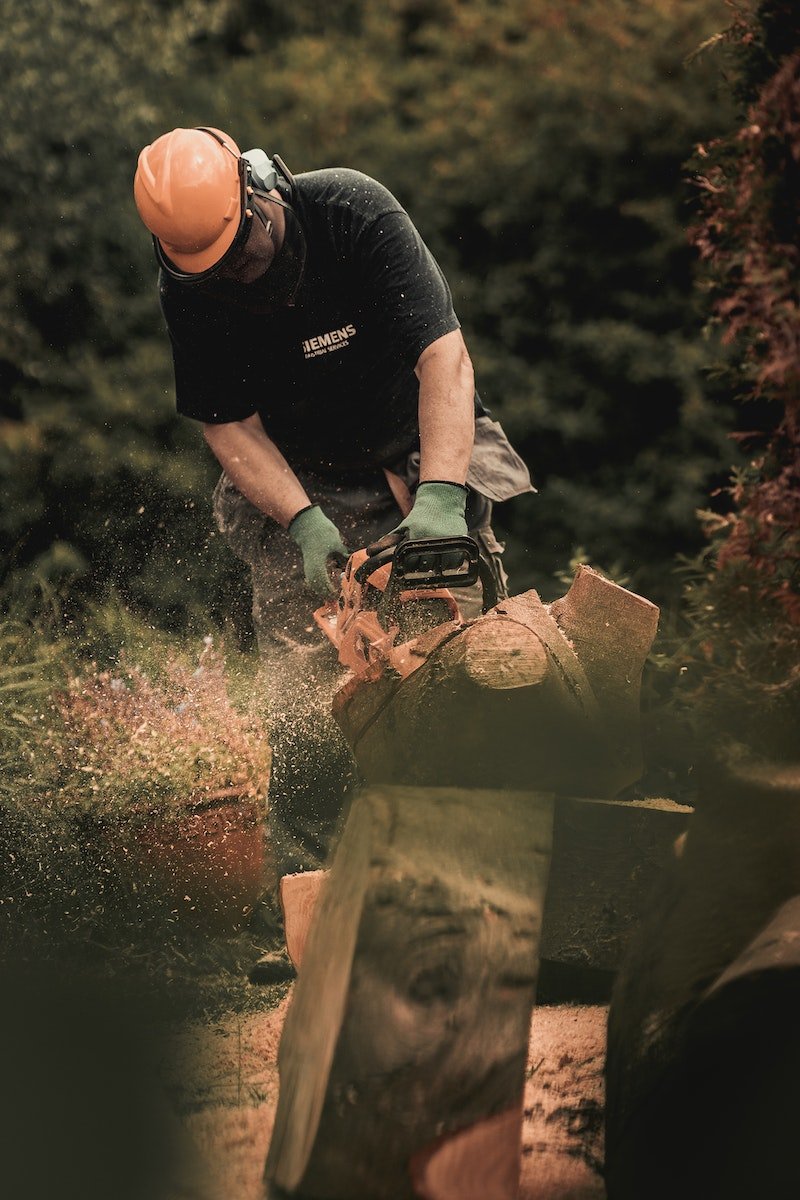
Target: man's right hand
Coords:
[(321, 546)]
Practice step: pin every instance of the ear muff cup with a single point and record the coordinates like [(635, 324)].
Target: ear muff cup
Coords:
[(263, 173)]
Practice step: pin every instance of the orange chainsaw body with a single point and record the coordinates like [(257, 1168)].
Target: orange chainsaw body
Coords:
[(352, 622)]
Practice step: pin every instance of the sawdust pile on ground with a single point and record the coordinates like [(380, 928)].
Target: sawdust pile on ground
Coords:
[(222, 1080), (562, 1140)]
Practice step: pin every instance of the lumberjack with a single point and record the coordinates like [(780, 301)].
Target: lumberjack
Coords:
[(314, 339)]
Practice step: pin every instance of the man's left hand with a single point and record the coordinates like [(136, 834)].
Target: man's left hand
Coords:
[(438, 512)]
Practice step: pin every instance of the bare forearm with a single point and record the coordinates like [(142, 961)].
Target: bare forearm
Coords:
[(446, 410), (257, 468)]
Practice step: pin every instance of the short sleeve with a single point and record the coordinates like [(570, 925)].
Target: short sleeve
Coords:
[(208, 385), (404, 285)]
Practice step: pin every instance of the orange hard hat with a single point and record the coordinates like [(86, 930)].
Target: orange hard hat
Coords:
[(190, 192)]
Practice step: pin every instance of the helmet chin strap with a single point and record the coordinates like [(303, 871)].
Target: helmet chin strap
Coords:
[(263, 218), (278, 285), (270, 199)]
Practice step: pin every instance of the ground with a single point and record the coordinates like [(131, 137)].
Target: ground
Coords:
[(221, 1078)]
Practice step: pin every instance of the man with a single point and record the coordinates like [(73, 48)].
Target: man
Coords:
[(314, 338)]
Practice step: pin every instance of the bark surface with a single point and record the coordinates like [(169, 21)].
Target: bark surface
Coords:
[(425, 947), (529, 696)]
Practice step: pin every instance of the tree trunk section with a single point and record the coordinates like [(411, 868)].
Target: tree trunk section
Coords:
[(703, 1021), (406, 1042), (526, 693)]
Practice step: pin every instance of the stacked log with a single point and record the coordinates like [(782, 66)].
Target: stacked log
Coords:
[(403, 1055), (530, 693), (409, 1023), (704, 1046)]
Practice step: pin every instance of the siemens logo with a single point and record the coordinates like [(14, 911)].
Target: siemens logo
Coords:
[(324, 343)]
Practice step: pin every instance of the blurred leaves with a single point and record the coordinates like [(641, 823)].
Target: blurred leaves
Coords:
[(538, 146), (100, 480), (741, 658)]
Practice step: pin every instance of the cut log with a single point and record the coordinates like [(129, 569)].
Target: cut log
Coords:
[(596, 615), (299, 895), (607, 855), (527, 694), (314, 1019), (410, 1017), (473, 1163), (702, 1038), (506, 656), (728, 1092), (773, 952)]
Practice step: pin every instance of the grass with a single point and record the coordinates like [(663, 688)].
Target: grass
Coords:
[(101, 719), (127, 742)]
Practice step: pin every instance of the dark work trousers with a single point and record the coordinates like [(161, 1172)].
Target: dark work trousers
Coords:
[(313, 770)]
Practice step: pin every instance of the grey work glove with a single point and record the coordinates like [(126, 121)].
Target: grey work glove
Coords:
[(438, 512), (321, 546)]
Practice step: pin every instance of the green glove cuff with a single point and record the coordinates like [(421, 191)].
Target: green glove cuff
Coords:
[(440, 504), (308, 523)]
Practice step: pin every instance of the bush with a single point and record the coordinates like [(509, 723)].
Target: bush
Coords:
[(128, 744), (90, 751), (741, 662)]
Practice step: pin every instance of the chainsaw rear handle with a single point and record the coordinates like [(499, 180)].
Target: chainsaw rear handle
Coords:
[(424, 564)]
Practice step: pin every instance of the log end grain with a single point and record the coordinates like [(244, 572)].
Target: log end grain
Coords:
[(298, 896), (501, 654), (611, 630), (473, 1163)]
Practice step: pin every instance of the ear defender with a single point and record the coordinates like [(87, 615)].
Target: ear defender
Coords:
[(263, 173)]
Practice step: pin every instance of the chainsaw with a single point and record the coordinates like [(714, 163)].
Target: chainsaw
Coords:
[(395, 607)]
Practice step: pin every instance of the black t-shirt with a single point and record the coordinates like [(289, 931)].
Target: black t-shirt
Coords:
[(332, 377)]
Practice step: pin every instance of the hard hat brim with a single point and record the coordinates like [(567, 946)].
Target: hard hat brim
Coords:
[(193, 263)]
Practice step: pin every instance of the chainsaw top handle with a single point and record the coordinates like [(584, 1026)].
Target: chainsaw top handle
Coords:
[(428, 563)]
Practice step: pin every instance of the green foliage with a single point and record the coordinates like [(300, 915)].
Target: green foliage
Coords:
[(539, 148), (114, 716), (761, 34), (100, 480), (28, 665), (40, 858), (749, 236), (742, 661), (103, 723), (129, 744)]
